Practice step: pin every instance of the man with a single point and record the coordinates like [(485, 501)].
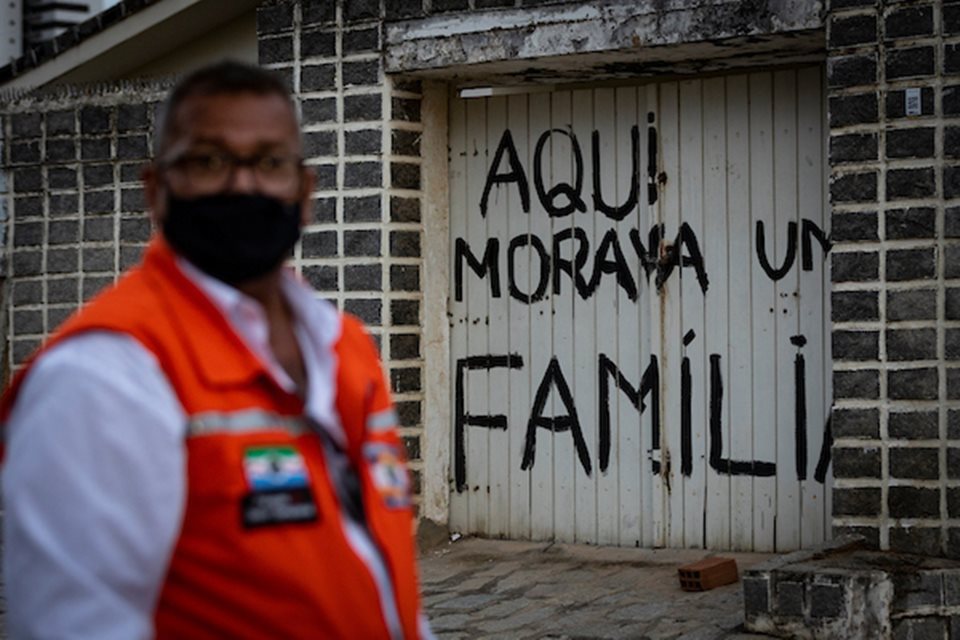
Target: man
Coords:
[(206, 450)]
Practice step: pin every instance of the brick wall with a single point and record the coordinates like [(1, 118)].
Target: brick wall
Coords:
[(895, 181), (75, 209), (362, 137)]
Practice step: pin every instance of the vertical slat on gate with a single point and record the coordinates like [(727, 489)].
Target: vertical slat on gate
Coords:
[(565, 463), (738, 390), (498, 214), (671, 321), (607, 315), (825, 332), (652, 329), (764, 346), (582, 374), (541, 336), (810, 204), (651, 332), (520, 338), (627, 467), (478, 295), (717, 251), (651, 485), (787, 288), (458, 309), (692, 312)]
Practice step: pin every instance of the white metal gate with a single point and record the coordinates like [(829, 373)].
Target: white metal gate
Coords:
[(638, 314)]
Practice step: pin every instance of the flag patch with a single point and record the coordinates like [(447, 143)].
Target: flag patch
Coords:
[(279, 487), (275, 468)]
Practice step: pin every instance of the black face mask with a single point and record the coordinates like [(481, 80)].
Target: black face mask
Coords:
[(232, 237)]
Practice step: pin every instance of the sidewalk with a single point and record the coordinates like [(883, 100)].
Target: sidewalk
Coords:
[(477, 588)]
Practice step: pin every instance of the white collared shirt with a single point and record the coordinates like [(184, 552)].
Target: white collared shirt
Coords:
[(94, 478)]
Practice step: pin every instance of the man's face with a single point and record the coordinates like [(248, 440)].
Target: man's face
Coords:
[(230, 143)]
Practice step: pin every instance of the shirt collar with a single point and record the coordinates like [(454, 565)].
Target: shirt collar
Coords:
[(225, 297), (316, 323)]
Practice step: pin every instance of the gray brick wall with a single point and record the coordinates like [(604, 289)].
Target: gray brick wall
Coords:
[(73, 203), (362, 130), (895, 269)]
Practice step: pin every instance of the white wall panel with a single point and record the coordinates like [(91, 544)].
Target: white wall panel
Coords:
[(629, 356)]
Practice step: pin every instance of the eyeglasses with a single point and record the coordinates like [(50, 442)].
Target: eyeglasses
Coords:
[(213, 171)]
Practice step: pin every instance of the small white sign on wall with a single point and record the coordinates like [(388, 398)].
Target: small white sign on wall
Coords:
[(912, 100)]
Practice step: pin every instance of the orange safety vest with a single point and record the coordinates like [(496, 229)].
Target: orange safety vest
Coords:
[(296, 576)]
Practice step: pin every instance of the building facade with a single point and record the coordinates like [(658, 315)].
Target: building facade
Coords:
[(25, 23), (641, 274)]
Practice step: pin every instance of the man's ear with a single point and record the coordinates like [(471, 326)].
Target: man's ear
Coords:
[(307, 181), (153, 193)]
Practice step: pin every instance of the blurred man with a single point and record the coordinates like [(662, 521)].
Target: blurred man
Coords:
[(206, 449)]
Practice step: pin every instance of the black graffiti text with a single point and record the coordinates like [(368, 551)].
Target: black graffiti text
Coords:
[(630, 261), (808, 232), (562, 198), (644, 396)]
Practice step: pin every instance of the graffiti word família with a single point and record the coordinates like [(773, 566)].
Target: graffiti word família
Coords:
[(642, 394)]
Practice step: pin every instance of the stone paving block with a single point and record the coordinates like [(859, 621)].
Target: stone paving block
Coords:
[(504, 608), (521, 578), (532, 615), (449, 622), (702, 633), (431, 599), (672, 627), (470, 601), (475, 584), (580, 623), (560, 592), (615, 599), (499, 569), (579, 575), (442, 573), (628, 632), (644, 611)]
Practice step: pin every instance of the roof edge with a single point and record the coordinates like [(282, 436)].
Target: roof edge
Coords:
[(15, 99), (49, 49)]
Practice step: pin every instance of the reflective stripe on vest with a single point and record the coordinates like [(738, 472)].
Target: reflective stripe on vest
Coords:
[(382, 421), (214, 422)]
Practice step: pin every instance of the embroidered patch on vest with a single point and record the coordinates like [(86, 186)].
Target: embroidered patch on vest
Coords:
[(389, 473), (279, 487), (270, 468)]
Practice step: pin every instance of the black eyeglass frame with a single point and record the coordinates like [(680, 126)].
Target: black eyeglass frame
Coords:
[(233, 162)]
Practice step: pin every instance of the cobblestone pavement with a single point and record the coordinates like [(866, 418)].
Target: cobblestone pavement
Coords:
[(477, 588)]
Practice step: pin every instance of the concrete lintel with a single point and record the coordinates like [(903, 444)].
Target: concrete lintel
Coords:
[(623, 30)]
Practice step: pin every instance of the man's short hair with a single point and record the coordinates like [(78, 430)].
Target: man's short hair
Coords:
[(223, 78)]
